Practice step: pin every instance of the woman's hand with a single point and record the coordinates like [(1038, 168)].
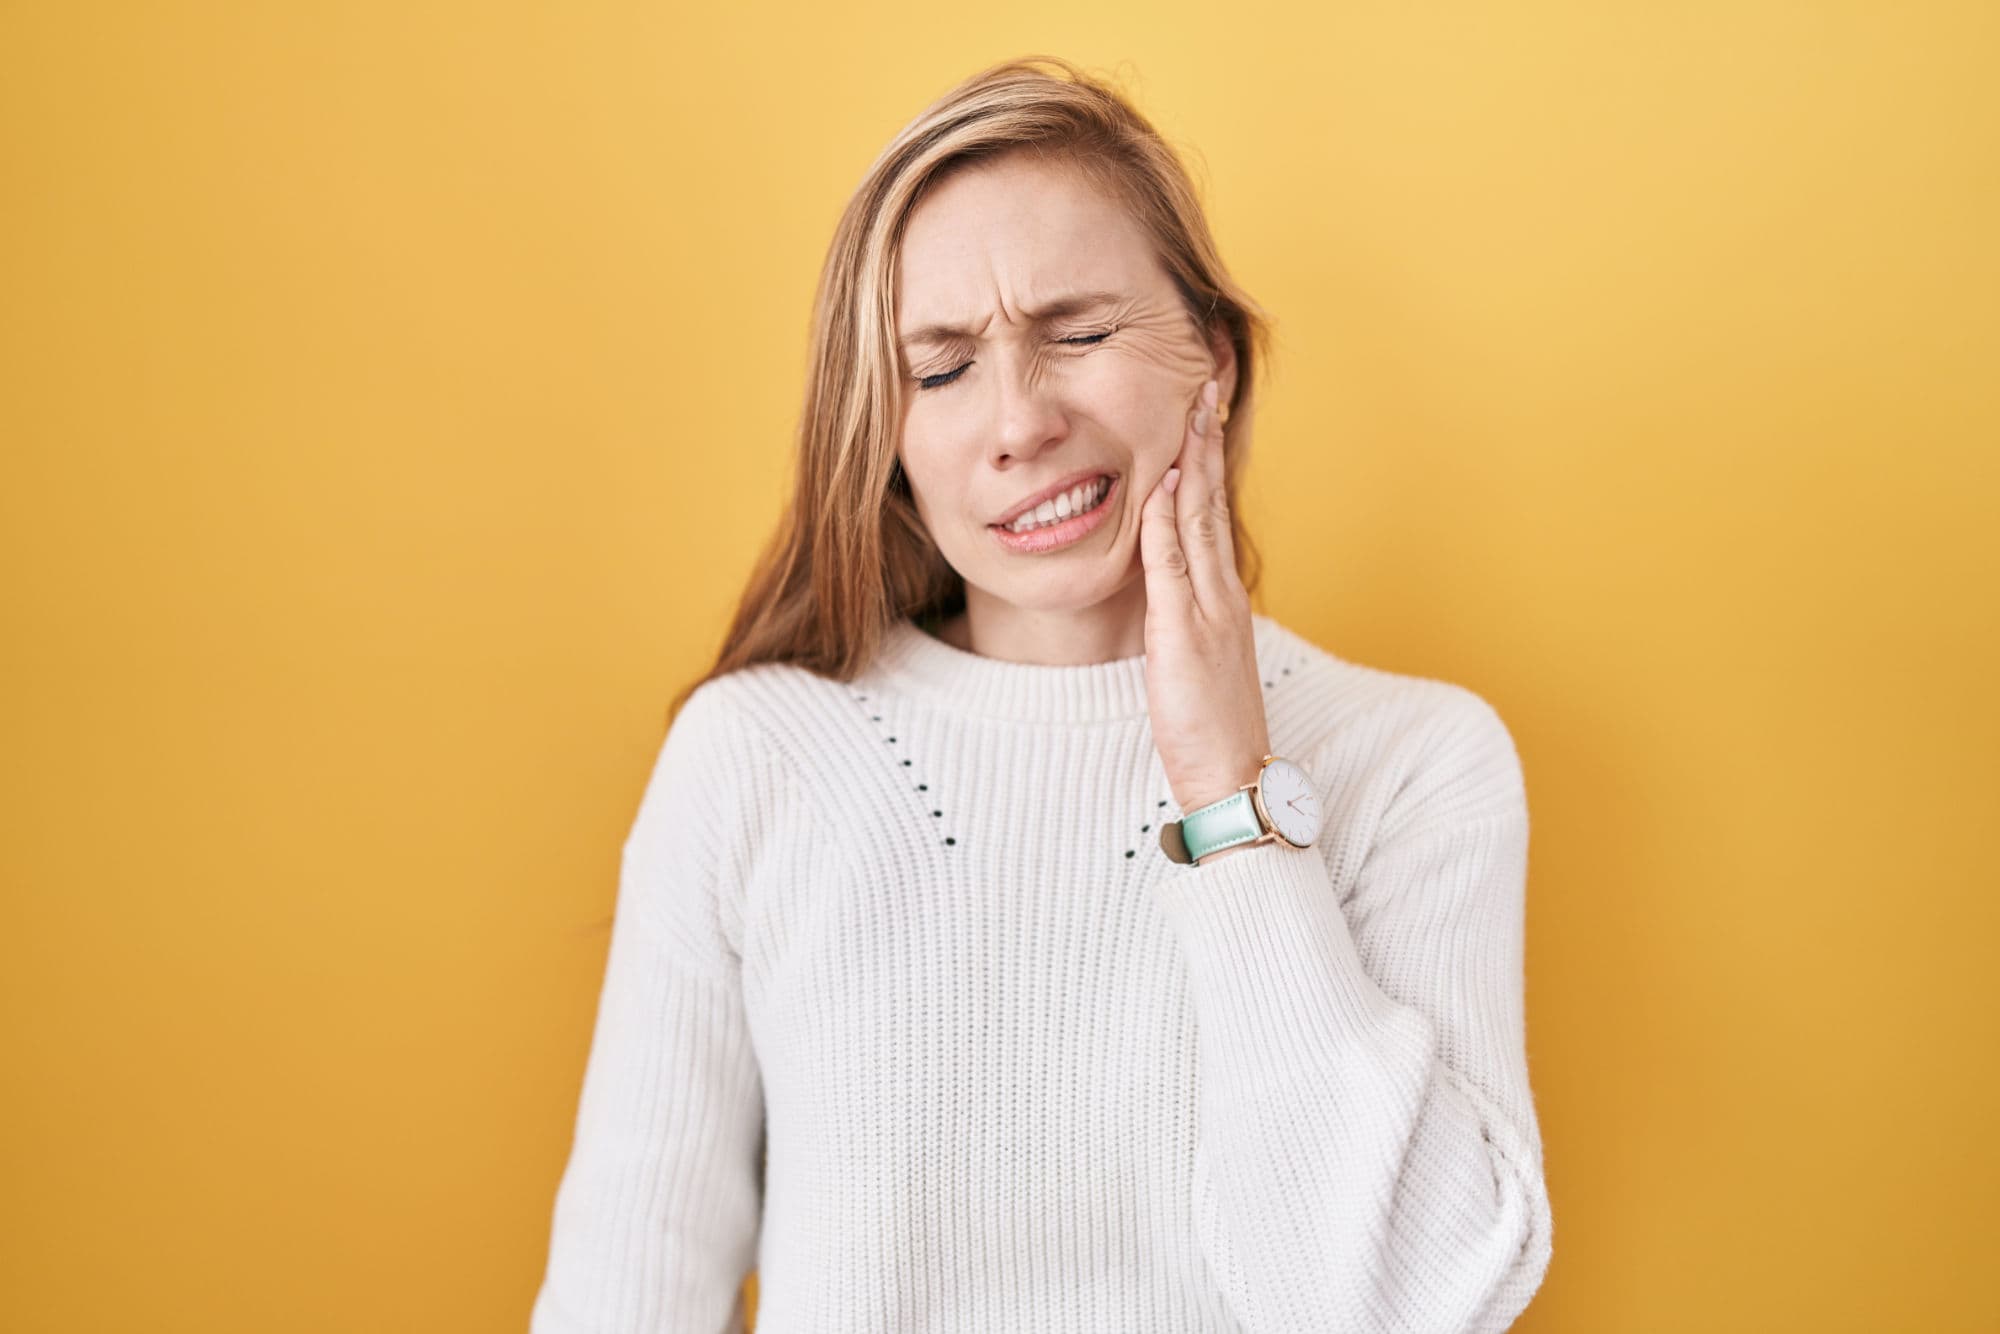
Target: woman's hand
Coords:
[(1202, 687)]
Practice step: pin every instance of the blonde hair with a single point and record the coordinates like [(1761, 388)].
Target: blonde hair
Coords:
[(851, 554)]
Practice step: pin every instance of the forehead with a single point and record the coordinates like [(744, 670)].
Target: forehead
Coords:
[(1014, 235)]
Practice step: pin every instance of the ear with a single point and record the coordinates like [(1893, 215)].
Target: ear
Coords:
[(1224, 354)]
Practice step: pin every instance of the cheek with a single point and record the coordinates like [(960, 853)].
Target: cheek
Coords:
[(931, 475), (1146, 389)]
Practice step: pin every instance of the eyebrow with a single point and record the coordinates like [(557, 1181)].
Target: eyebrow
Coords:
[(1074, 303)]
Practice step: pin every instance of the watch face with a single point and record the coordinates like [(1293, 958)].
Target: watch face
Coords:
[(1290, 801)]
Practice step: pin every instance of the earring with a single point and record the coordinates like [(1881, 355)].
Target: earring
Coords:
[(1222, 414)]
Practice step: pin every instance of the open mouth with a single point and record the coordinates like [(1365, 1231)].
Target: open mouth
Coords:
[(1079, 500)]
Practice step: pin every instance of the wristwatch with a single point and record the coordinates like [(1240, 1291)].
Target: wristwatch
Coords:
[(1280, 805)]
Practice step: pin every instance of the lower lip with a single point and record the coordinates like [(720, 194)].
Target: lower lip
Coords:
[(1073, 529)]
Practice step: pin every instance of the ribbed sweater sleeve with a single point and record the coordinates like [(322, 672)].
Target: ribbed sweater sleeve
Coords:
[(1368, 1157), (656, 1217)]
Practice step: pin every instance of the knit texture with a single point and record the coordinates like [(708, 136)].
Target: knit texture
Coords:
[(905, 1009)]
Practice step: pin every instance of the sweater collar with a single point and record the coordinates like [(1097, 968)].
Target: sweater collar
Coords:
[(921, 665)]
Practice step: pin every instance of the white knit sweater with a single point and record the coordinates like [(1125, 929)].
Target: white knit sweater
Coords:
[(1015, 1070)]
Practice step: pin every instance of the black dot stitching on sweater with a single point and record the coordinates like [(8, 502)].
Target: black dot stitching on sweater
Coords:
[(1130, 853), (949, 840)]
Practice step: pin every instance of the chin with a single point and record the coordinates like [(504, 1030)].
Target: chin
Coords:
[(1076, 588)]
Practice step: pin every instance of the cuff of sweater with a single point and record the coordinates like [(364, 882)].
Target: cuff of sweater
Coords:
[(1277, 979)]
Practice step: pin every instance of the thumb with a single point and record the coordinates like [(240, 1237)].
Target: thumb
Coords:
[(1160, 547)]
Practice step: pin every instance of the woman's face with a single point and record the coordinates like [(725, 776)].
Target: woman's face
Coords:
[(1024, 395)]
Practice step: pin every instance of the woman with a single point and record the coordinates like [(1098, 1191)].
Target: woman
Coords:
[(922, 1000)]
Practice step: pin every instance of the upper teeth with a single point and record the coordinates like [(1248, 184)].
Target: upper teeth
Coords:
[(1073, 501)]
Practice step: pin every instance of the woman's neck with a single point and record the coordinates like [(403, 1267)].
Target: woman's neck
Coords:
[(1107, 631)]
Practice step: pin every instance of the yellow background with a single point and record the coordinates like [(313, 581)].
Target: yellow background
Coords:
[(396, 394)]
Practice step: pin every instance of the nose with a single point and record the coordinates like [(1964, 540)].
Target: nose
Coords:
[(1028, 414)]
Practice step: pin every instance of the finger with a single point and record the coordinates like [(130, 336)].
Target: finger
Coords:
[(1168, 592), (1226, 543), (1202, 512)]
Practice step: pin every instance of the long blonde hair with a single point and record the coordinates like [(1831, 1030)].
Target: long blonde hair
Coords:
[(851, 554)]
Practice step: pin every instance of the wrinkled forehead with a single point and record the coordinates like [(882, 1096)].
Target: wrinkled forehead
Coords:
[(1012, 242)]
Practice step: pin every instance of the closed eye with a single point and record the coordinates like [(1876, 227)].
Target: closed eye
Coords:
[(944, 378)]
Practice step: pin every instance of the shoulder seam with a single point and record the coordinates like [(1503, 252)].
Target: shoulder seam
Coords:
[(738, 714)]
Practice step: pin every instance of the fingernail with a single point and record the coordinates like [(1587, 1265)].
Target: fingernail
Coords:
[(1211, 393), (1201, 420), (1173, 480)]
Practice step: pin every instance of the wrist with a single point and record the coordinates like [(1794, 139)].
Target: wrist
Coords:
[(1209, 791)]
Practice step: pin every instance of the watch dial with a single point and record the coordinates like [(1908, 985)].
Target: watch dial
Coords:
[(1291, 801)]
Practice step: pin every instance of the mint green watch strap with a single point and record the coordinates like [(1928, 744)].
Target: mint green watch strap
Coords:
[(1220, 824)]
